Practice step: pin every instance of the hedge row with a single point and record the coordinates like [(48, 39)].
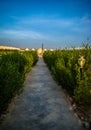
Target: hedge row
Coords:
[(13, 67), (66, 71)]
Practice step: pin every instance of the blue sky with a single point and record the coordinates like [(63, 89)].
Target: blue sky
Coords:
[(55, 23)]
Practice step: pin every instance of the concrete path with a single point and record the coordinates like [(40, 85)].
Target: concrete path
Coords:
[(41, 106)]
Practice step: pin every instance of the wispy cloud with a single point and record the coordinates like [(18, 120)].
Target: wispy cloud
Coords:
[(19, 34), (75, 24), (48, 30), (46, 22), (82, 25)]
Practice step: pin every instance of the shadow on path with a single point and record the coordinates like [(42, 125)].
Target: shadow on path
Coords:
[(41, 106)]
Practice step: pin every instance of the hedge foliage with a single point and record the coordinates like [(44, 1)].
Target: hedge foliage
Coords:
[(14, 65), (66, 71)]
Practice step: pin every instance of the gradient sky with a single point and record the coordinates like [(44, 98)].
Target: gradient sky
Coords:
[(55, 23)]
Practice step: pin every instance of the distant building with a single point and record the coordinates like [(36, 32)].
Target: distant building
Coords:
[(8, 48), (40, 51), (33, 49), (26, 49), (51, 50)]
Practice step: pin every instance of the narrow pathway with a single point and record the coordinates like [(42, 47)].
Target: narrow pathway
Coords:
[(41, 106)]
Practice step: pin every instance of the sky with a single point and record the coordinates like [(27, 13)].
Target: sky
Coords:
[(53, 23)]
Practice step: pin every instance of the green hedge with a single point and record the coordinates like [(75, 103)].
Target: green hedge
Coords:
[(13, 67), (66, 71)]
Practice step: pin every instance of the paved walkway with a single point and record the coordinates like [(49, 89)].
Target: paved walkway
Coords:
[(41, 106)]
